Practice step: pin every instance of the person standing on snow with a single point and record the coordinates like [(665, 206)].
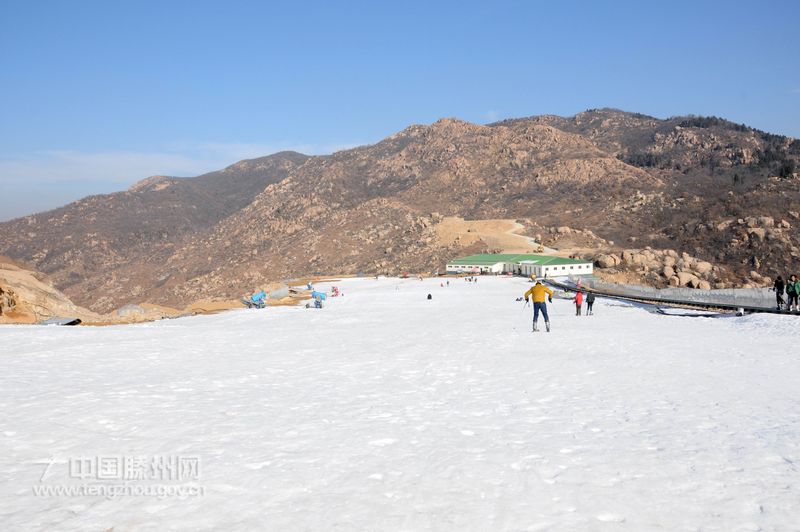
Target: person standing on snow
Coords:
[(791, 293), (589, 303), (538, 293), (578, 299), (779, 288)]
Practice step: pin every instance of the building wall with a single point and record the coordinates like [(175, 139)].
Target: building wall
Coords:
[(526, 270), (482, 268), (584, 268)]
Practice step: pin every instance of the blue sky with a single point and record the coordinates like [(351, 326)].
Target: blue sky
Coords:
[(95, 95)]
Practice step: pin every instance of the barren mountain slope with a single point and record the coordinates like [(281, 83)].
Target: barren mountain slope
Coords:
[(682, 183), (371, 209), (98, 236)]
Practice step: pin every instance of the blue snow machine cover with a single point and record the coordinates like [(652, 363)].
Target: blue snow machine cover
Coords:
[(320, 295), (257, 300)]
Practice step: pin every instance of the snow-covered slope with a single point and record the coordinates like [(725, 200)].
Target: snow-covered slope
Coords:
[(388, 411)]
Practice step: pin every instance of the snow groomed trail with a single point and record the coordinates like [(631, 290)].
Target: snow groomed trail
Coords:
[(388, 411)]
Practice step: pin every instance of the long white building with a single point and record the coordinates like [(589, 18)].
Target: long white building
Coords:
[(520, 264)]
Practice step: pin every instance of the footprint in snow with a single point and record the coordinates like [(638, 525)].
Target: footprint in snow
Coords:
[(257, 466), (383, 443), (155, 508), (610, 518)]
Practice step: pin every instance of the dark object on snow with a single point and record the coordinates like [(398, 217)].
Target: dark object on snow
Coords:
[(779, 290), (61, 321), (589, 303), (430, 296)]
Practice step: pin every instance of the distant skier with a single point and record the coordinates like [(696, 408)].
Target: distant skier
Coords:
[(578, 299), (779, 289), (791, 293), (538, 293), (796, 293), (589, 303)]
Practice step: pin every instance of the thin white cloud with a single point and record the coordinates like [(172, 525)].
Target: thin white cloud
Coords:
[(126, 167), (107, 167), (233, 151)]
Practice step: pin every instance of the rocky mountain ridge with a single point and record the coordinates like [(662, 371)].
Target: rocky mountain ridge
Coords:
[(624, 177)]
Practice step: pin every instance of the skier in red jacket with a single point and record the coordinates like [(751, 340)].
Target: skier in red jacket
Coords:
[(578, 299)]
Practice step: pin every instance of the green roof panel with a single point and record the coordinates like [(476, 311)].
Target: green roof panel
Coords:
[(488, 259)]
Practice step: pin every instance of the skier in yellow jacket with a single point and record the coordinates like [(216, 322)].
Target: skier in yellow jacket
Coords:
[(538, 292)]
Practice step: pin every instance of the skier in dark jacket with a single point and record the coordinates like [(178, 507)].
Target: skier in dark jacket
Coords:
[(589, 303), (779, 289)]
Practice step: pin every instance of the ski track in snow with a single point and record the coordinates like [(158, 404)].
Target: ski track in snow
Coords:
[(387, 411)]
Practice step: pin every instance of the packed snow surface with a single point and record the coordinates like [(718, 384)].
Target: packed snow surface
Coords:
[(389, 411)]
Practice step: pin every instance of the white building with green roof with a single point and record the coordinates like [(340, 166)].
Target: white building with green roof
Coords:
[(520, 264)]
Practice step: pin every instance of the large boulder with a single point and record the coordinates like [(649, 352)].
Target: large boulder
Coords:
[(766, 221), (668, 272), (607, 261), (639, 259), (758, 233), (704, 285), (7, 301), (703, 267), (688, 279), (627, 256)]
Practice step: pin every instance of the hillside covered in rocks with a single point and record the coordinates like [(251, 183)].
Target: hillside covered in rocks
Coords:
[(696, 191)]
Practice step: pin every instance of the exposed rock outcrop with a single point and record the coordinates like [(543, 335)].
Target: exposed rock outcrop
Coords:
[(28, 297), (669, 267)]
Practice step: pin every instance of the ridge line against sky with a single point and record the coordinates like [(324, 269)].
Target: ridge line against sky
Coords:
[(97, 95)]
